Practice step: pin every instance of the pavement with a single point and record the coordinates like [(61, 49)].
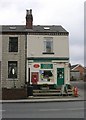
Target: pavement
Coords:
[(36, 100), (33, 99)]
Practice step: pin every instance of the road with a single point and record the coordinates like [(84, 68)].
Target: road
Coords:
[(80, 84), (44, 110), (81, 88)]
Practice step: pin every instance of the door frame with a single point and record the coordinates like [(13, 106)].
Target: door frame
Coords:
[(60, 81)]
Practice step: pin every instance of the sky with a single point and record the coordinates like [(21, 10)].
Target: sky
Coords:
[(68, 13)]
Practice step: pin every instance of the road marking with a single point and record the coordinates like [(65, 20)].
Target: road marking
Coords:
[(66, 109)]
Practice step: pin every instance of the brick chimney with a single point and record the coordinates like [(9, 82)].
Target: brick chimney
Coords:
[(29, 19)]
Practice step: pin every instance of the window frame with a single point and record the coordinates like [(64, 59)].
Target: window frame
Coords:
[(47, 41), (13, 44), (46, 78), (11, 65)]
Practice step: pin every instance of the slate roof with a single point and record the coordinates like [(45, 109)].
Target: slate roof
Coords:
[(73, 66), (52, 28), (36, 28)]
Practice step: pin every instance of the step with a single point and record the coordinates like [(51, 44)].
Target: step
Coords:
[(52, 94), (49, 91), (46, 94)]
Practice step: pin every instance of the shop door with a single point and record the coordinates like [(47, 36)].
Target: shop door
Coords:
[(34, 77), (60, 76)]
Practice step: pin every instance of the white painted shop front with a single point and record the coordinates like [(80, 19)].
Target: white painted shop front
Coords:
[(51, 73), (48, 56)]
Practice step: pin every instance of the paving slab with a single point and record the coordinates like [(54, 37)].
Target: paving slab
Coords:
[(55, 98), (32, 99)]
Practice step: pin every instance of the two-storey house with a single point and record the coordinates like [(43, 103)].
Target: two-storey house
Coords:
[(34, 54), (47, 54), (13, 56)]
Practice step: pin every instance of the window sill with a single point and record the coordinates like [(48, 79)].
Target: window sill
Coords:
[(48, 53), (12, 79), (12, 52)]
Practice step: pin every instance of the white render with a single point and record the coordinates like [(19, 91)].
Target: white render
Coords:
[(55, 65), (35, 46), (35, 49)]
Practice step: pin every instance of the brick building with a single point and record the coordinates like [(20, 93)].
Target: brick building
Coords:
[(78, 72), (30, 50)]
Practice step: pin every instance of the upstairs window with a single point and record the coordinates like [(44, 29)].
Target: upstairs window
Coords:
[(13, 44), (12, 69), (48, 45)]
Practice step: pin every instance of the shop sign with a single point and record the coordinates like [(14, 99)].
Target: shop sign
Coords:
[(36, 65), (46, 66)]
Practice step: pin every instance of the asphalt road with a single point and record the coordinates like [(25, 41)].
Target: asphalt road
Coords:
[(81, 88), (44, 110)]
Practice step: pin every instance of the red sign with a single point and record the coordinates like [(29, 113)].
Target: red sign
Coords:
[(36, 65)]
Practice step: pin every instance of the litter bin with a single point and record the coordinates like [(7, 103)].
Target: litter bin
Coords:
[(29, 90)]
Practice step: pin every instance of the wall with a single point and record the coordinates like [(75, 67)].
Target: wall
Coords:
[(75, 75), (0, 47), (12, 94), (54, 71), (35, 46), (81, 71), (16, 56), (0, 62), (0, 83)]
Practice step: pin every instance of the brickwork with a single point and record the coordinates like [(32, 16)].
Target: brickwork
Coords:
[(11, 94), (13, 56), (81, 70), (0, 83)]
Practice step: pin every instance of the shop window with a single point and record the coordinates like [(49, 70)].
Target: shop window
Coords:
[(12, 65), (46, 75), (13, 44)]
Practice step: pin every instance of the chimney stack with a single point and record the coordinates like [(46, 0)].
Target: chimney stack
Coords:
[(29, 19)]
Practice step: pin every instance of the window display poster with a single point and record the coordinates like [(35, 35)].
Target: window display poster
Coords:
[(46, 76)]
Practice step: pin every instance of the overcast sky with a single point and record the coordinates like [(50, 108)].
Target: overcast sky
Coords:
[(68, 13)]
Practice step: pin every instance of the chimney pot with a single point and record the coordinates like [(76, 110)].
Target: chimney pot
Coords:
[(29, 19), (27, 12), (30, 11)]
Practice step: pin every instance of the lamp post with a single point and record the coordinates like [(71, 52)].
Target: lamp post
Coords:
[(13, 72)]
